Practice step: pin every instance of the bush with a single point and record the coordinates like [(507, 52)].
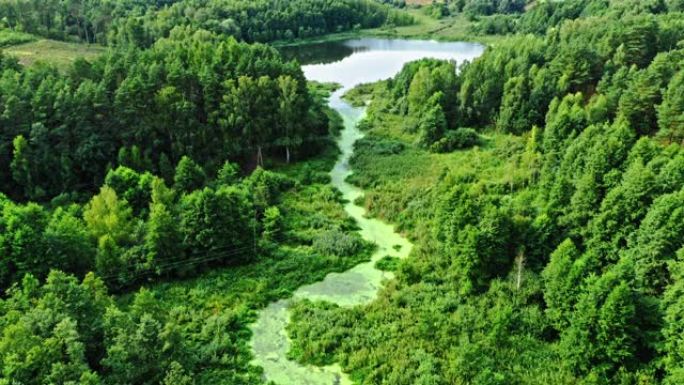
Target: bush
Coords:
[(388, 263), (456, 139), (378, 146), (10, 38), (494, 25), (337, 243)]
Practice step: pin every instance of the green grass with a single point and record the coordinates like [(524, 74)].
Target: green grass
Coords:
[(58, 53), (360, 95), (451, 28)]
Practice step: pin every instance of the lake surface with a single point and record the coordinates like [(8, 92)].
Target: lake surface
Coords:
[(357, 61), (348, 63)]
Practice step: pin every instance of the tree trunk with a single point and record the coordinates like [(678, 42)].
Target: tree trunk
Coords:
[(287, 154), (520, 261), (260, 158), (85, 22), (85, 31)]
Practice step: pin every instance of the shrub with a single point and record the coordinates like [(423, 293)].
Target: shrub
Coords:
[(388, 263), (337, 243), (378, 146), (10, 38), (456, 139)]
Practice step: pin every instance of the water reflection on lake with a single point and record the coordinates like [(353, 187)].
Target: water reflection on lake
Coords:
[(356, 61)]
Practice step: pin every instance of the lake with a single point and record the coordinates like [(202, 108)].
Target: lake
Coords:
[(351, 62)]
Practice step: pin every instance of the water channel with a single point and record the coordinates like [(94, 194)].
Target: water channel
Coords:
[(348, 63)]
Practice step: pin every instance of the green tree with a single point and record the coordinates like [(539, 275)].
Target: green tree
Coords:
[(673, 330), (131, 186), (176, 375), (108, 261), (272, 225), (189, 175), (562, 283), (638, 103), (51, 332), (420, 91), (23, 244), (675, 5), (671, 111), (288, 114), (218, 222), (21, 166), (163, 241), (141, 344), (228, 174), (69, 243), (433, 124), (603, 331), (515, 109), (656, 241), (106, 215)]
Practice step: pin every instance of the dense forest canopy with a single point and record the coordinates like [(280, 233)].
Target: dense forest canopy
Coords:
[(143, 22), (146, 109)]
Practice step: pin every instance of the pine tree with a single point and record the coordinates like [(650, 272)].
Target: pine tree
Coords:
[(671, 111), (189, 175)]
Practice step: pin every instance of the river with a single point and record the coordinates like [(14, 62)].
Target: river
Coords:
[(348, 63)]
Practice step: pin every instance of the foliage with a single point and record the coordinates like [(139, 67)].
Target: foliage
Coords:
[(388, 263), (336, 243), (143, 22), (458, 139), (190, 95), (10, 38), (189, 332), (549, 253)]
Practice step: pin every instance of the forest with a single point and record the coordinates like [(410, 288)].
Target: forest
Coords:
[(141, 23), (146, 109), (155, 198), (543, 186), (136, 182)]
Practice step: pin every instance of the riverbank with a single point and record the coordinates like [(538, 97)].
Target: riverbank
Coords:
[(451, 28), (356, 286)]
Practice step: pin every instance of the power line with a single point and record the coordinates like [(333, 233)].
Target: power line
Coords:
[(168, 266)]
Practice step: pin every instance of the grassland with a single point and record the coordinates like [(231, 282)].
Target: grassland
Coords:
[(58, 53)]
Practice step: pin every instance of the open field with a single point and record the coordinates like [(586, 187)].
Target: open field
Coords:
[(55, 52)]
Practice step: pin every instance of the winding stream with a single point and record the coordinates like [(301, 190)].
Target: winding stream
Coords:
[(348, 63)]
